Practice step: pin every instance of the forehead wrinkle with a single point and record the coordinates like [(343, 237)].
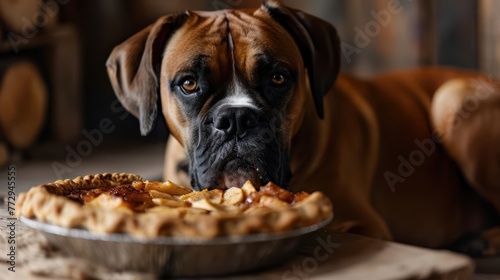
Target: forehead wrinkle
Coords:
[(211, 25), (201, 36), (240, 29), (195, 60), (256, 35), (205, 30), (244, 25), (257, 29), (230, 44)]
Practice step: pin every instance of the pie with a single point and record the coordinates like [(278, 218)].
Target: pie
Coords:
[(126, 203)]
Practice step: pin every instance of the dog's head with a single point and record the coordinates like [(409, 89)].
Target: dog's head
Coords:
[(234, 86)]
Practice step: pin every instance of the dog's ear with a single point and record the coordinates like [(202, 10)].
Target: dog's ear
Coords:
[(319, 45), (133, 68)]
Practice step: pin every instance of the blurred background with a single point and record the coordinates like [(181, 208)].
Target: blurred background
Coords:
[(59, 117)]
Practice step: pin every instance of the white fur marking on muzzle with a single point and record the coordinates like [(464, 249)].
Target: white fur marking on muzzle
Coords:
[(239, 100)]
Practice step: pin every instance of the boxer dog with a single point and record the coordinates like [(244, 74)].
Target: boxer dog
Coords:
[(255, 94)]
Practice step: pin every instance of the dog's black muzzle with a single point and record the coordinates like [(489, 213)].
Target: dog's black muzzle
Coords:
[(236, 144)]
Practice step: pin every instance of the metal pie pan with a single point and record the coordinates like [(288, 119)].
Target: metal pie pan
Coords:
[(177, 256)]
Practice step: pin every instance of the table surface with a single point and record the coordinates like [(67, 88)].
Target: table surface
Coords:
[(324, 255)]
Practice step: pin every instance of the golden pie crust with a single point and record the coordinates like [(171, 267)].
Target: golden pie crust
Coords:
[(126, 203)]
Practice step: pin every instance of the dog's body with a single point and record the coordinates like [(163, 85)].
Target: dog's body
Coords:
[(225, 77)]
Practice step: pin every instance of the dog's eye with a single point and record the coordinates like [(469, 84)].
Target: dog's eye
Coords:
[(189, 85), (278, 79)]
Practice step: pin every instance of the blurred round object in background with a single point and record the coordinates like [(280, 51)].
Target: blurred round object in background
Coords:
[(26, 17), (23, 104)]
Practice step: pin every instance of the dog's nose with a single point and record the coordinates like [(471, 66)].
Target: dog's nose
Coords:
[(236, 121)]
